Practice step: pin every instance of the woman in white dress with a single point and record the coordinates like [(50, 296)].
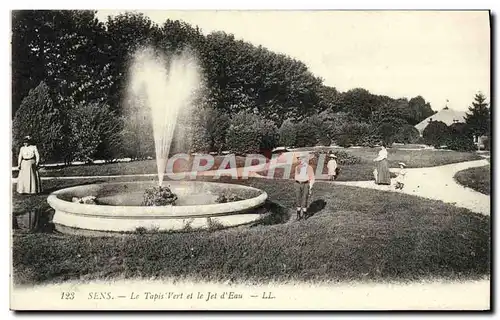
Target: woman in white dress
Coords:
[(28, 180), (381, 172)]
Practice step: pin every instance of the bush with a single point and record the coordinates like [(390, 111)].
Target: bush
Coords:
[(305, 135), (250, 133), (287, 133), (355, 133), (343, 158), (41, 119), (407, 134), (460, 139), (91, 125), (436, 133)]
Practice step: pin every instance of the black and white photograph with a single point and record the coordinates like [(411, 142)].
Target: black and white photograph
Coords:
[(250, 160)]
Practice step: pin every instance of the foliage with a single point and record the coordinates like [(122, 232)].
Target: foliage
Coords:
[(478, 116), (407, 134), (86, 61), (436, 133), (305, 136), (158, 196), (228, 197), (93, 127), (355, 133), (419, 110), (343, 158), (459, 138), (249, 133), (287, 133), (39, 118)]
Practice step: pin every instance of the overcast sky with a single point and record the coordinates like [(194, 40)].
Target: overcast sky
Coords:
[(440, 55)]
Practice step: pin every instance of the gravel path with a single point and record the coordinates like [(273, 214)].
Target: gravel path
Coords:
[(437, 183)]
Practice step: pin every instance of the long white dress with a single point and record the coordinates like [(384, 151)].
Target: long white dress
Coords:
[(28, 180)]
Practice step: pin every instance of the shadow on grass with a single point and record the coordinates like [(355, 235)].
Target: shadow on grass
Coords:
[(277, 214), (315, 207)]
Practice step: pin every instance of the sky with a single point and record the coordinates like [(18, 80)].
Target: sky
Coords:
[(440, 55)]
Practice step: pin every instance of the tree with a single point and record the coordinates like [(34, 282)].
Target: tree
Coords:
[(478, 117), (389, 119), (419, 110), (67, 49), (436, 133), (38, 117)]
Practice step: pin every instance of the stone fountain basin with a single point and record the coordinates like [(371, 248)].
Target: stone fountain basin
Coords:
[(119, 207)]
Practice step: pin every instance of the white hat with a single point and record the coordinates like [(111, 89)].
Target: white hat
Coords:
[(402, 164), (332, 155)]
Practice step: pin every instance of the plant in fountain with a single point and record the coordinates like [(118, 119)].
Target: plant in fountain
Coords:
[(167, 87), (159, 196)]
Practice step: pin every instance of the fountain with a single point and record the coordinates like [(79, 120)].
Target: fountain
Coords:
[(166, 88)]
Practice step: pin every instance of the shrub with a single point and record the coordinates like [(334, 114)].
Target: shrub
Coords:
[(250, 133), (287, 133), (436, 133), (90, 126), (354, 133), (305, 135), (343, 158), (459, 138), (407, 134)]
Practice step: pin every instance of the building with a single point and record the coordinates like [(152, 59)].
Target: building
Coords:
[(446, 115)]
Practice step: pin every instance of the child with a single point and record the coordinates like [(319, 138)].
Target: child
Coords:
[(333, 169), (401, 176)]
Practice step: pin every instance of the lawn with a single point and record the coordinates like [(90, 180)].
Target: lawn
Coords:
[(478, 178), (364, 169), (353, 234), (355, 172), (126, 168)]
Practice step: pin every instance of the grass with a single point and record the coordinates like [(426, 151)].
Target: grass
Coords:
[(412, 158), (355, 172), (353, 234), (127, 168), (478, 178)]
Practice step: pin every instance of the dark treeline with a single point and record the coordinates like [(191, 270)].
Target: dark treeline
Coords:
[(69, 73)]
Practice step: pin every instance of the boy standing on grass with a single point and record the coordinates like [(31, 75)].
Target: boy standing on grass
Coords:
[(304, 181)]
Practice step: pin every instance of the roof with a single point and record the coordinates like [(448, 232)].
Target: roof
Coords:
[(446, 115)]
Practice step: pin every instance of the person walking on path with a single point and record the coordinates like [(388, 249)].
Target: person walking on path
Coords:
[(28, 180), (381, 172), (304, 181), (332, 167)]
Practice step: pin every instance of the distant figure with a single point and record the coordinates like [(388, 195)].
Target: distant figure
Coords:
[(381, 172), (28, 180), (401, 176), (332, 167), (304, 181)]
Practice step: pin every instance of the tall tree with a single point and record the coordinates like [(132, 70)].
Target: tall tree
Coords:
[(478, 117), (67, 49), (40, 118)]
